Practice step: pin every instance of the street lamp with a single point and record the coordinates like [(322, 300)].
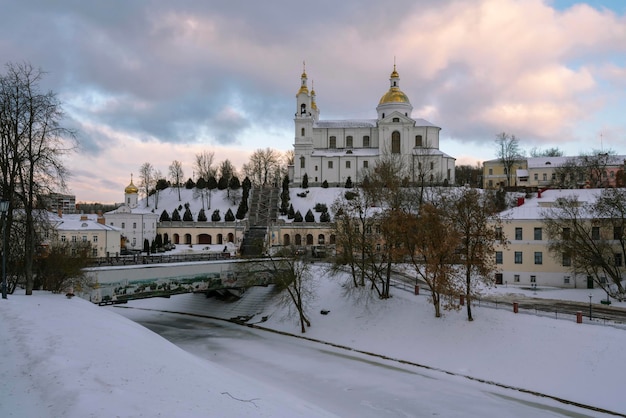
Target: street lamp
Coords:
[(4, 208), (590, 295)]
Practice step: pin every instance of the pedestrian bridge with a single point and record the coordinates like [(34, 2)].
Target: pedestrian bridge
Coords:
[(117, 284)]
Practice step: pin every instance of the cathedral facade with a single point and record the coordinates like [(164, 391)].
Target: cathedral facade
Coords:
[(333, 150)]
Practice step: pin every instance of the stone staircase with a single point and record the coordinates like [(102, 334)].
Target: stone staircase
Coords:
[(262, 211)]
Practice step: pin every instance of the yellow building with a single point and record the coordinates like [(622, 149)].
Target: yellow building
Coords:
[(495, 176), (526, 260)]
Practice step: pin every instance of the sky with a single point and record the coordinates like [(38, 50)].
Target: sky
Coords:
[(71, 358), (158, 81)]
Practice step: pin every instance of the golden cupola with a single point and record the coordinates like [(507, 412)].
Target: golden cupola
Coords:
[(131, 188), (394, 94)]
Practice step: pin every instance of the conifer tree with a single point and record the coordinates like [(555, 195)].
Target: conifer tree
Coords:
[(216, 217), (165, 217), (201, 216), (187, 216), (309, 217), (305, 181), (229, 217), (297, 217), (176, 215)]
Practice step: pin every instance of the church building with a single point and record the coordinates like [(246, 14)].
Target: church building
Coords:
[(333, 150)]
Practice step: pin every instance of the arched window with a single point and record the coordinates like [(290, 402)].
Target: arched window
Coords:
[(418, 141), (231, 237), (298, 239), (302, 109), (320, 239), (349, 141), (395, 142), (220, 239), (302, 162), (302, 132), (366, 141), (286, 239), (332, 239), (332, 143), (309, 239)]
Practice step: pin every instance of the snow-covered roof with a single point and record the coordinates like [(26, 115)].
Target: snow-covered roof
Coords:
[(539, 162), (348, 123), (533, 208), (425, 152), (80, 223), (347, 152), (362, 123)]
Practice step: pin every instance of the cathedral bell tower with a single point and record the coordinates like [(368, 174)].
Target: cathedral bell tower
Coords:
[(306, 115)]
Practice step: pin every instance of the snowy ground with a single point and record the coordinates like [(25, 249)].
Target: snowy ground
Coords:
[(69, 358)]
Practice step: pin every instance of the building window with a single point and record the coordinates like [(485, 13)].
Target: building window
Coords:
[(538, 257), (617, 232), (348, 165), (94, 252), (518, 257), (365, 164), (330, 164), (74, 238), (396, 119), (618, 259), (366, 141), (490, 183), (533, 279), (63, 238), (84, 238), (499, 233), (123, 225), (516, 278), (315, 168), (368, 229), (566, 233), (356, 228), (566, 280), (491, 171), (498, 257), (567, 260), (518, 234), (332, 142), (395, 142), (536, 176), (302, 162), (538, 234), (94, 238), (545, 177), (302, 132), (418, 140), (134, 225), (432, 165), (595, 232), (349, 141), (134, 242)]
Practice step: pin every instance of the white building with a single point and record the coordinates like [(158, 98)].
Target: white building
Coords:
[(136, 224), (103, 239), (332, 151)]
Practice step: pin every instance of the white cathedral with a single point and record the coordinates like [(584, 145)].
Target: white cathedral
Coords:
[(333, 150)]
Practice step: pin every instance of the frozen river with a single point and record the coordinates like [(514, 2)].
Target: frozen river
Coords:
[(341, 381)]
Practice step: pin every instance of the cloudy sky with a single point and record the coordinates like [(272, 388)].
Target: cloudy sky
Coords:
[(154, 81)]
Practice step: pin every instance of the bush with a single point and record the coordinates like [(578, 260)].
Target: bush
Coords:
[(350, 195), (325, 184), (201, 216), (216, 217), (321, 207)]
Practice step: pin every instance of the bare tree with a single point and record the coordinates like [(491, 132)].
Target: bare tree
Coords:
[(263, 166), (549, 152), (431, 243), (474, 217), (508, 152), (203, 165), (33, 146), (176, 175), (147, 179)]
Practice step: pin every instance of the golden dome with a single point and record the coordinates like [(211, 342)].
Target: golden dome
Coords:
[(303, 89), (131, 188), (394, 95)]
